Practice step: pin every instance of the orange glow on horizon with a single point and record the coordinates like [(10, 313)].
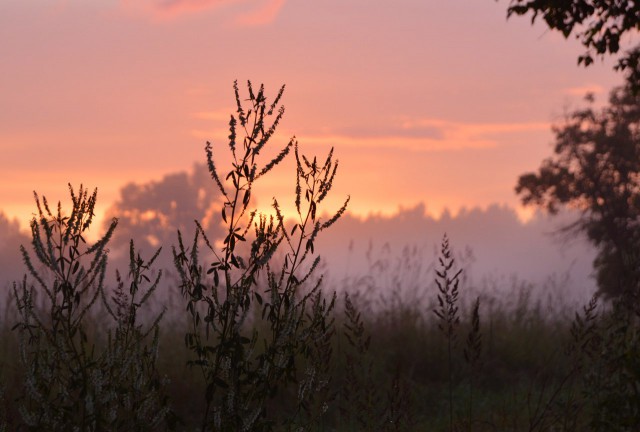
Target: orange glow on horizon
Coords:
[(107, 93)]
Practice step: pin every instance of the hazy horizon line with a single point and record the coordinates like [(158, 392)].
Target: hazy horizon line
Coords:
[(524, 215)]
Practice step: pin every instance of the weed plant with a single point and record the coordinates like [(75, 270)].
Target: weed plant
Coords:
[(73, 380), (244, 369), (607, 354), (447, 312)]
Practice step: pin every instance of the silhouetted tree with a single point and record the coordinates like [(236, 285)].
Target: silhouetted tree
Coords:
[(599, 24), (152, 212), (596, 168)]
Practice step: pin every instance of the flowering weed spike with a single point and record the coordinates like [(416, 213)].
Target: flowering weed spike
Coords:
[(241, 116), (276, 100), (232, 134), (212, 168), (275, 161), (447, 311), (337, 215)]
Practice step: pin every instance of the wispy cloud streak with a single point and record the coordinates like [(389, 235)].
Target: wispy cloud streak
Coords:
[(426, 135), (253, 12), (263, 15), (583, 90)]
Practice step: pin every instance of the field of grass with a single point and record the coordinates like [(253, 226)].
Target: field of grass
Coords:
[(389, 368)]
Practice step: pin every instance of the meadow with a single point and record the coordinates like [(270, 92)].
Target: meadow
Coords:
[(524, 365)]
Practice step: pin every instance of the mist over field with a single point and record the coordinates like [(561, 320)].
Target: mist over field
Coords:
[(493, 245), (11, 237), (496, 249)]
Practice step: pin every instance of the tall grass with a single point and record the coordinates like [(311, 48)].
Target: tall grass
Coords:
[(533, 373)]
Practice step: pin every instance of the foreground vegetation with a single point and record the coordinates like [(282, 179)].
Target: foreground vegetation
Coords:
[(252, 339), (388, 367)]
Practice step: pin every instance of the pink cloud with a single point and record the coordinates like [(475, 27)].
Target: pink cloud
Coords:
[(431, 135), (219, 115), (581, 91), (169, 9), (451, 143), (176, 7), (263, 15), (255, 12), (453, 128)]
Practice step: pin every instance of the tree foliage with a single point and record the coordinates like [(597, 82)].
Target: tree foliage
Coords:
[(152, 212), (595, 168), (598, 24)]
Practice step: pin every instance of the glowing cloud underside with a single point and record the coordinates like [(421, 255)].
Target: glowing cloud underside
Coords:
[(254, 13), (265, 14)]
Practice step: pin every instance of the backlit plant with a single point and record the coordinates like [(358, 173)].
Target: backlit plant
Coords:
[(76, 379), (255, 323)]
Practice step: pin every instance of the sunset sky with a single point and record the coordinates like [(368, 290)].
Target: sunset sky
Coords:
[(440, 102)]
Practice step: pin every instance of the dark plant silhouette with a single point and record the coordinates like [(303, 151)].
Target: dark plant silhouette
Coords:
[(73, 379), (448, 282), (472, 354), (600, 26), (247, 339), (608, 343), (358, 399)]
